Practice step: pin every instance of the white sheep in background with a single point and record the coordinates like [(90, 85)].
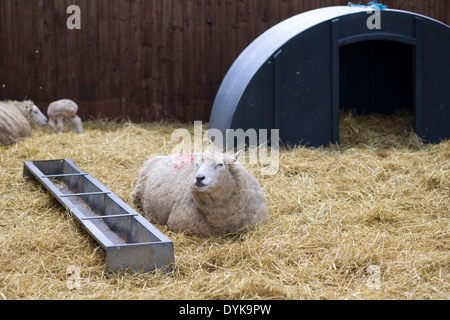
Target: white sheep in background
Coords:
[(205, 194), (18, 119), (64, 109)]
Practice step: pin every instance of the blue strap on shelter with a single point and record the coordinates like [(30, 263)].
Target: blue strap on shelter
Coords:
[(371, 4)]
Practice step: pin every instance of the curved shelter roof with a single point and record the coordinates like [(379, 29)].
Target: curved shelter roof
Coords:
[(289, 77)]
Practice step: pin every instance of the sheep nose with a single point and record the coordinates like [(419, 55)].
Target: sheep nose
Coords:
[(200, 178)]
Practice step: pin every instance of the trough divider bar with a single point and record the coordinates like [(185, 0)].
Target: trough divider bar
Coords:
[(110, 216), (65, 175), (85, 194)]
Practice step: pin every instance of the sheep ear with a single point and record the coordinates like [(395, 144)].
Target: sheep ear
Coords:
[(237, 155), (232, 160)]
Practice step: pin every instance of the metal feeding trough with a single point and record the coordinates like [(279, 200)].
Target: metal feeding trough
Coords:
[(130, 241)]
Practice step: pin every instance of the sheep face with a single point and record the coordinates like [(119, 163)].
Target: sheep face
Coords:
[(211, 169), (36, 117)]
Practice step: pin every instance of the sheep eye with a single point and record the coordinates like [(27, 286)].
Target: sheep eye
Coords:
[(219, 165)]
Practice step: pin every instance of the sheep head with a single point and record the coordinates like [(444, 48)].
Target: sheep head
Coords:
[(212, 170), (35, 116)]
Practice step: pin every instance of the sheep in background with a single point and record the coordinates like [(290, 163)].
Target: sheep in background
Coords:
[(205, 194), (64, 109), (18, 119)]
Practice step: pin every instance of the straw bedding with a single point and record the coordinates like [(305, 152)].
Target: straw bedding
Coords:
[(368, 219)]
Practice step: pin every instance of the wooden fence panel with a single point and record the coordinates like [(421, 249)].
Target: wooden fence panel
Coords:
[(141, 60)]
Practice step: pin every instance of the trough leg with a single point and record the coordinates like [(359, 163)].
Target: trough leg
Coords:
[(27, 174)]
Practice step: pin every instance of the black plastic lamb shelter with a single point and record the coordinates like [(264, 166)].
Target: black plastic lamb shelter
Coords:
[(296, 76)]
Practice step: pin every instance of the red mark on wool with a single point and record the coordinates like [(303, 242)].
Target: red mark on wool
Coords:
[(183, 159)]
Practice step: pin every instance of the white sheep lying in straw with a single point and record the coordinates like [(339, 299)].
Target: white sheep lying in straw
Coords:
[(205, 194), (18, 119), (64, 109)]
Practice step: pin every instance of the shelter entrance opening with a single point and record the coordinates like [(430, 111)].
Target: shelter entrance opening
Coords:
[(376, 76)]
